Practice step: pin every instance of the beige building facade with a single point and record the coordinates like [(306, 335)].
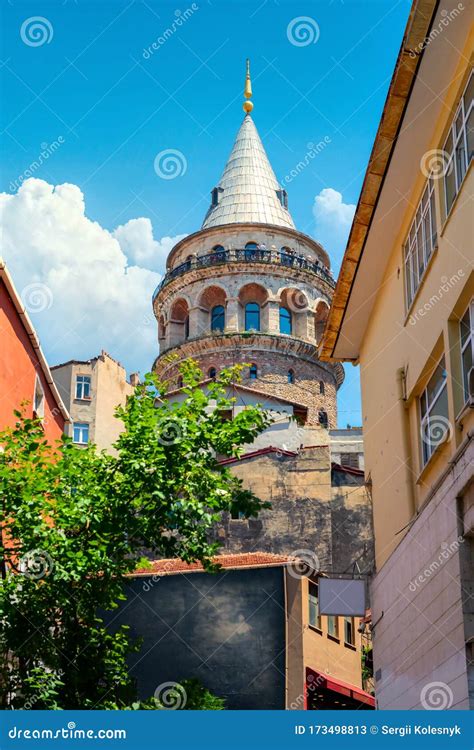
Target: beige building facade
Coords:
[(404, 310), (92, 390)]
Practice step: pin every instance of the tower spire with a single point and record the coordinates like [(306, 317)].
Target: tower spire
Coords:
[(248, 105)]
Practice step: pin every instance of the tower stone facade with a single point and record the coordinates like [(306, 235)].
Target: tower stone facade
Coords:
[(249, 288)]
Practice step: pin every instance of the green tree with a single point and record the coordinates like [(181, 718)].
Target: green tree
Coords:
[(74, 523)]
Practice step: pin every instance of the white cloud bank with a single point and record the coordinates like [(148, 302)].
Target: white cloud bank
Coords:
[(333, 221), (86, 288)]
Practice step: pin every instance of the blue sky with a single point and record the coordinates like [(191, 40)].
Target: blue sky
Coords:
[(110, 107)]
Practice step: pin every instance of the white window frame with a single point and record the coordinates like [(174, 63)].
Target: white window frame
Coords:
[(456, 140), (39, 391), (425, 214), (351, 622), (468, 343), (80, 387), (425, 419), (81, 427)]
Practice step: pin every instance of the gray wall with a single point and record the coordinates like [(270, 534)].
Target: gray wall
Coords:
[(227, 629)]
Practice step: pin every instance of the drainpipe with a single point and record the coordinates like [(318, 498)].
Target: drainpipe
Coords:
[(408, 463)]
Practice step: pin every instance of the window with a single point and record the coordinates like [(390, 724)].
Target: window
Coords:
[(251, 251), (321, 387), (285, 321), (83, 387), (421, 242), (291, 376), (459, 145), (252, 316), (333, 626), (434, 412), (186, 327), (218, 318), (314, 616), (350, 459), (467, 347), (214, 197), (237, 515), (218, 253), (323, 418), (80, 433), (349, 632), (212, 372), (180, 381), (253, 372), (38, 401), (282, 196)]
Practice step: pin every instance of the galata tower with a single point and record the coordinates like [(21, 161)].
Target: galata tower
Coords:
[(248, 287)]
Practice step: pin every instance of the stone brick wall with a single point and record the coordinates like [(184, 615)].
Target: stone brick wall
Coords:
[(324, 511), (310, 376)]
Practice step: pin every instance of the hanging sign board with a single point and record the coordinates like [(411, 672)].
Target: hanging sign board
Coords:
[(342, 596)]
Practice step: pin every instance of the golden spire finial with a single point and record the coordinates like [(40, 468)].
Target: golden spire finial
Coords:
[(248, 106)]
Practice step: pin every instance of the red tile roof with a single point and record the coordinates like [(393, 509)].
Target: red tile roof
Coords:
[(173, 566)]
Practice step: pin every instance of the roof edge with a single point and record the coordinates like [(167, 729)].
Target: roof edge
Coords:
[(33, 337), (408, 61)]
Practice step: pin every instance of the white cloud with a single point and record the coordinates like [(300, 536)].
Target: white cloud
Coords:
[(136, 240), (333, 222), (100, 283)]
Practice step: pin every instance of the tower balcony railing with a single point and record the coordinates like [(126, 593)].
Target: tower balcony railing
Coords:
[(247, 255)]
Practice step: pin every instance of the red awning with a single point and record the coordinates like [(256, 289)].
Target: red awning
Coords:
[(321, 680)]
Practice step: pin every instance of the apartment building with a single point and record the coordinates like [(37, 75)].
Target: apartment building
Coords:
[(404, 310)]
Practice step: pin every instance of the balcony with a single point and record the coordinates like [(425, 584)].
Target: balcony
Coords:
[(247, 255)]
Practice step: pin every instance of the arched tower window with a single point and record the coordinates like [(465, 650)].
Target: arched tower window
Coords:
[(252, 316), (218, 318), (253, 372), (285, 321), (323, 418), (251, 250), (212, 372), (218, 252), (291, 376), (321, 387)]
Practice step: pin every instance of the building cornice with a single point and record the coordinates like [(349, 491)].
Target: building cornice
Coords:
[(253, 341), (401, 85)]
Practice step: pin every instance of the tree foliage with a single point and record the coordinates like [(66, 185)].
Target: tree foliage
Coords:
[(75, 522)]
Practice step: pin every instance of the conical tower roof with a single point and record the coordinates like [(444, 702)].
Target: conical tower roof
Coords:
[(248, 190)]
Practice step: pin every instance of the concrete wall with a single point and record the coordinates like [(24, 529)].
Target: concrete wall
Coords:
[(417, 604), (109, 389), (228, 630), (19, 368)]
